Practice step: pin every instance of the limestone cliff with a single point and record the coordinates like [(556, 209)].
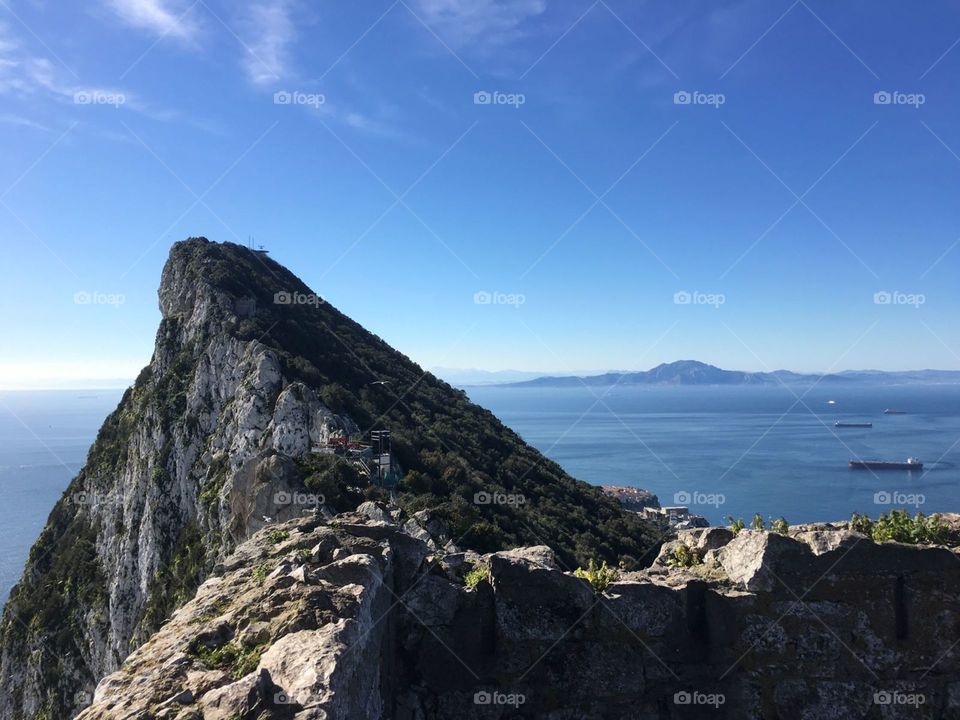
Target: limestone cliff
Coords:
[(250, 370)]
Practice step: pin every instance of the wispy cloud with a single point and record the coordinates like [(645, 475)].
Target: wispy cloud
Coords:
[(269, 32), (31, 77), (479, 23), (162, 17)]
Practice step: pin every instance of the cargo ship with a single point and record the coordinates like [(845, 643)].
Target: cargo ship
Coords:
[(888, 411), (852, 425), (910, 464)]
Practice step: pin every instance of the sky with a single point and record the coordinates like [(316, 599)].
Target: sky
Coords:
[(527, 185)]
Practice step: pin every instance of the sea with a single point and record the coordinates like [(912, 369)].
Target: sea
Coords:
[(739, 450), (44, 439), (721, 451)]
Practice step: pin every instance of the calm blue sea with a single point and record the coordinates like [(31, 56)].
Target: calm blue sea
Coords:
[(44, 438), (742, 450)]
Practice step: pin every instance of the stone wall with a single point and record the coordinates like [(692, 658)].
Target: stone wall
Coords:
[(823, 623)]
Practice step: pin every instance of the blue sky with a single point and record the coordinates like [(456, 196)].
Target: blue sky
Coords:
[(587, 198)]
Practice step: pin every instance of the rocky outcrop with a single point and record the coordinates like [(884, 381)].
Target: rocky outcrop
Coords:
[(194, 482), (199, 451), (355, 618), (250, 370), (293, 624)]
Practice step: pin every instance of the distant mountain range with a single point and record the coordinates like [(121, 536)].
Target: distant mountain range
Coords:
[(692, 372), (474, 377)]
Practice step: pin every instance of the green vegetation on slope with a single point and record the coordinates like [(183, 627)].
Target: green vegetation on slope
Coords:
[(451, 448), (176, 583)]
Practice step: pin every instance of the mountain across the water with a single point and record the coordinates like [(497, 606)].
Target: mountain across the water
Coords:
[(682, 372), (693, 372)]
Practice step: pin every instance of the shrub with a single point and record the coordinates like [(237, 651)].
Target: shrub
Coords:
[(598, 577), (780, 526), (479, 573), (861, 523), (278, 536), (333, 477), (757, 522), (735, 525), (237, 660), (900, 527), (684, 556)]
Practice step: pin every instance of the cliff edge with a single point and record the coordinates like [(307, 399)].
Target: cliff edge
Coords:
[(251, 372), (362, 616)]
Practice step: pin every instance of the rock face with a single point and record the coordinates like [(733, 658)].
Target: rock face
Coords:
[(211, 445), (195, 455), (180, 580), (282, 630), (384, 631)]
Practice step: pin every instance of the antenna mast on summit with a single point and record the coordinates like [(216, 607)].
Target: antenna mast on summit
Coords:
[(256, 248)]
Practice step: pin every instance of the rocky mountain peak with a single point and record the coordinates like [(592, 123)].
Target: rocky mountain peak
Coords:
[(241, 420)]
